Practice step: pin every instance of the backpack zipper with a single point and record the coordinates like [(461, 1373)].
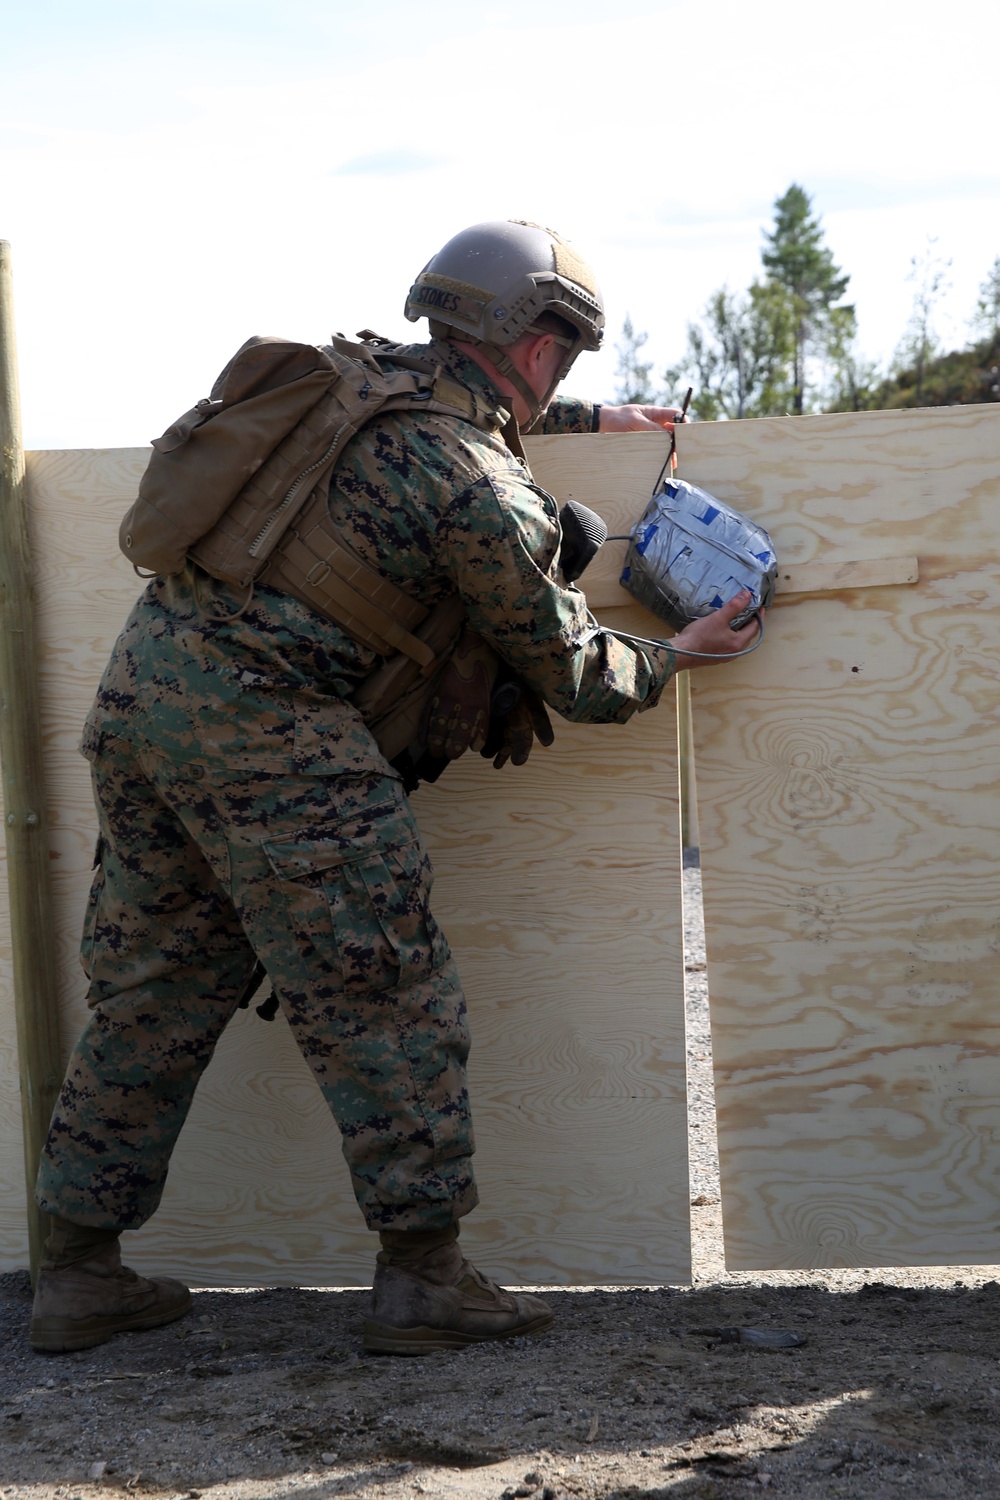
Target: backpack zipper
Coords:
[(257, 544)]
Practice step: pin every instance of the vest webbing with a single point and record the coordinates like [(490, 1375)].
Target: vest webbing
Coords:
[(313, 561), (259, 510)]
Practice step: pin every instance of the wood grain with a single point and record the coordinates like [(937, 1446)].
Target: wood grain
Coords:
[(849, 816), (559, 885), (834, 577), (848, 783), (568, 930), (614, 474)]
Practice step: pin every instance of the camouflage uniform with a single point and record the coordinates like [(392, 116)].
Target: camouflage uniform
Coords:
[(247, 816)]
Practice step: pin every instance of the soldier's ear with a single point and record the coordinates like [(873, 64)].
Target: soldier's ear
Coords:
[(543, 343)]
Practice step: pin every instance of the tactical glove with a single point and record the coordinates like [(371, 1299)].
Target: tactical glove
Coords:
[(458, 714), (512, 733)]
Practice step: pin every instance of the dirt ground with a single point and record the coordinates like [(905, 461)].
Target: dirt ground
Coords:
[(636, 1393)]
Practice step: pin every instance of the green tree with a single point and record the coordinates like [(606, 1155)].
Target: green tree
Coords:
[(796, 260), (852, 382), (961, 377), (986, 318), (920, 343), (738, 356), (632, 373)]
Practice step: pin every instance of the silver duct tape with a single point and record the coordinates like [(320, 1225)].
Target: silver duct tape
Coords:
[(689, 553)]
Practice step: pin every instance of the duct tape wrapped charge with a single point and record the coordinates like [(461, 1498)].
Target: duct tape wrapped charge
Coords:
[(689, 553)]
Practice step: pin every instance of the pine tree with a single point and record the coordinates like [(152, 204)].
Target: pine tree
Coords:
[(797, 262)]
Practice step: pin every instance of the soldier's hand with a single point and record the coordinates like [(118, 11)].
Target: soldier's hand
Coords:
[(638, 418), (458, 714), (712, 637), (513, 734)]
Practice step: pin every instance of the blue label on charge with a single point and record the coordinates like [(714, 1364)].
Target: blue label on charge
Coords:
[(645, 539)]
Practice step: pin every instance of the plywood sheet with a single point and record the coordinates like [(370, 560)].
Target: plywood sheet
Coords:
[(563, 906), (613, 473), (559, 886), (849, 787)]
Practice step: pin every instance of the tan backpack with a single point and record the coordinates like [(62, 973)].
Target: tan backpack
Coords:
[(238, 485)]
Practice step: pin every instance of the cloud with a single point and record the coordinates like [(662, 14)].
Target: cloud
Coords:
[(147, 175), (838, 194)]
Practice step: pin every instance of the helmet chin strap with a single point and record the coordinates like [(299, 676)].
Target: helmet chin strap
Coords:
[(501, 360), (505, 365), (559, 376)]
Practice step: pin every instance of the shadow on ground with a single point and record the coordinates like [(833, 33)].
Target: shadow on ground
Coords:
[(633, 1394)]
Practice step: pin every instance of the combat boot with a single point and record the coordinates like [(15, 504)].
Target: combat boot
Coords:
[(442, 1302), (90, 1300)]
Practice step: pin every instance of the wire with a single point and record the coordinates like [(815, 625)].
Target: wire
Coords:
[(643, 640), (705, 655)]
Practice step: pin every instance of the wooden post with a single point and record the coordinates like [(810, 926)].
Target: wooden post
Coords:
[(690, 836), (26, 826)]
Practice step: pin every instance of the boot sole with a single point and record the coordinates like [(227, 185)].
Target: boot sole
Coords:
[(382, 1338), (63, 1335)]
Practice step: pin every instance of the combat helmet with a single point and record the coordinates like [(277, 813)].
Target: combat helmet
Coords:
[(492, 282)]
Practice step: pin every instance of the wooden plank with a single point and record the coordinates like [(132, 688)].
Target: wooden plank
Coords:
[(25, 824), (849, 786), (834, 577), (613, 473), (564, 911), (601, 583), (559, 886), (14, 1226)]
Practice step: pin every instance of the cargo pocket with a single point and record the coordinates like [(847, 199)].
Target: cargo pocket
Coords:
[(358, 891)]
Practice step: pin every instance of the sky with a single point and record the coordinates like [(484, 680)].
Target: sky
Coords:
[(175, 178)]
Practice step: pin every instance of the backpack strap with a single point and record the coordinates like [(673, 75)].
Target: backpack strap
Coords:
[(315, 565), (304, 554), (239, 484)]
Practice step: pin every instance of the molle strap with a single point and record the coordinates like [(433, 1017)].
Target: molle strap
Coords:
[(314, 564), (451, 398), (512, 437), (393, 699), (311, 561), (273, 522)]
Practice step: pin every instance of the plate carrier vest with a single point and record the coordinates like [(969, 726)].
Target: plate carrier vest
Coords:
[(238, 485)]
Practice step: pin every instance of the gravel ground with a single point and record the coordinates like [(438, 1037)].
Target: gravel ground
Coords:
[(893, 1389)]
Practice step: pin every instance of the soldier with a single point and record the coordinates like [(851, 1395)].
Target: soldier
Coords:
[(249, 820)]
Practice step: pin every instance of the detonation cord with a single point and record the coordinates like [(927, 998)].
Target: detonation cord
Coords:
[(642, 640)]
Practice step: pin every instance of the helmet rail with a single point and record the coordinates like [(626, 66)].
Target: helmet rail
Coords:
[(491, 283)]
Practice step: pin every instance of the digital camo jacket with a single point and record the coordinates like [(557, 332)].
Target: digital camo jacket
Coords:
[(435, 504)]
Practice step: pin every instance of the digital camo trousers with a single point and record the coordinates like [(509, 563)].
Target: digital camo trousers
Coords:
[(325, 881)]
